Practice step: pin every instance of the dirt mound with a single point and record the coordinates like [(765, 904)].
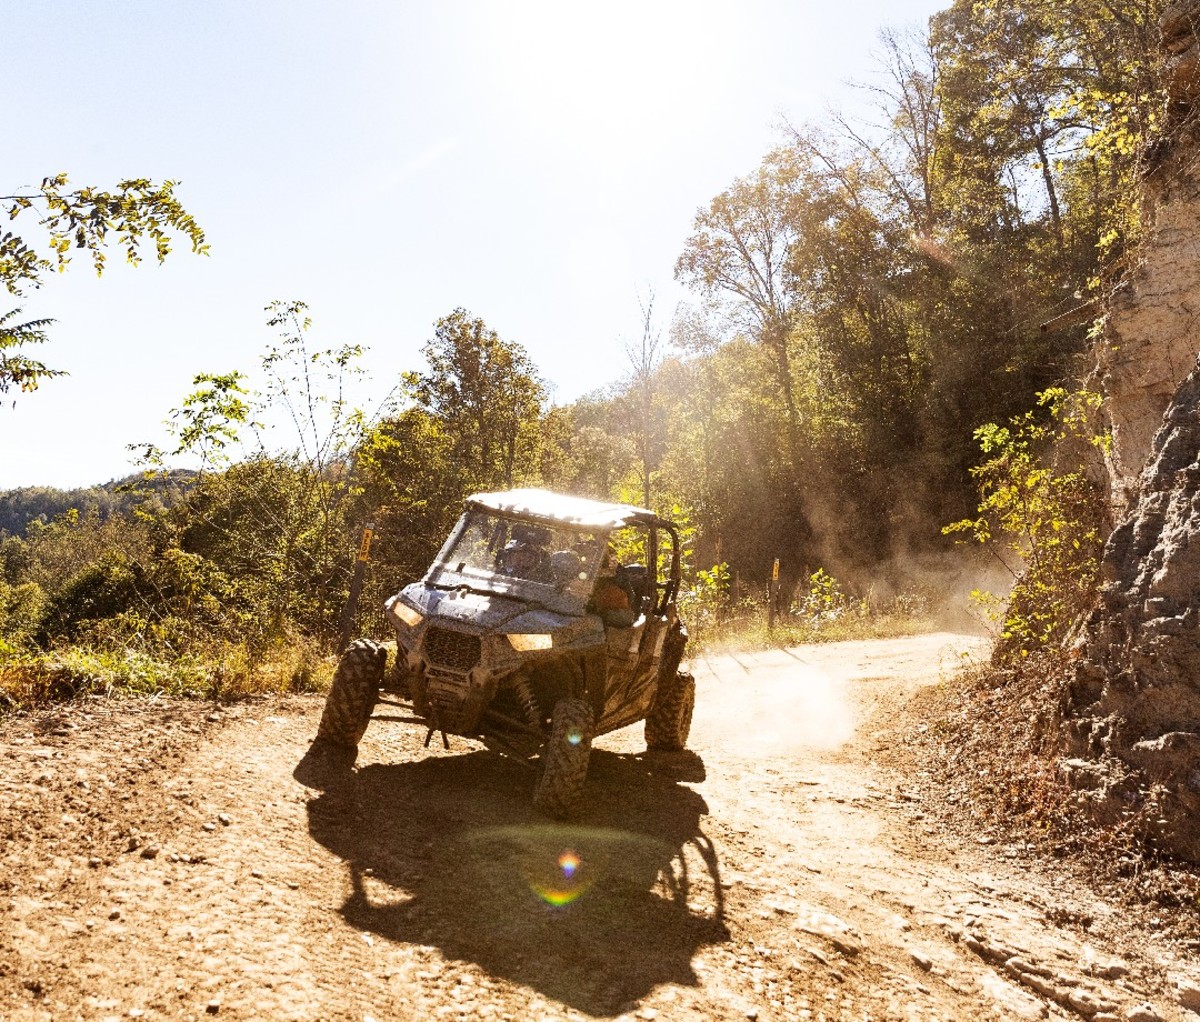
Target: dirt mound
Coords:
[(988, 763)]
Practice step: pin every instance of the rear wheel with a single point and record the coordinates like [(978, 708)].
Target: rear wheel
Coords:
[(396, 678), (670, 717), (565, 757), (353, 694)]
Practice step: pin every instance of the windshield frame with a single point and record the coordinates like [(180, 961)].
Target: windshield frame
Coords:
[(452, 568)]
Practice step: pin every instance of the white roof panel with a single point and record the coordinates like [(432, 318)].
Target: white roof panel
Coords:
[(561, 507)]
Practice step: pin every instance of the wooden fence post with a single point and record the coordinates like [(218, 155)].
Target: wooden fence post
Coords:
[(773, 594), (356, 585)]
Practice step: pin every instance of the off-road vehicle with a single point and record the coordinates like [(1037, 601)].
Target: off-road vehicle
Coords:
[(544, 621)]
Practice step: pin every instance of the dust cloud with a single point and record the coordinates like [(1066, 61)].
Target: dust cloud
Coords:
[(786, 705)]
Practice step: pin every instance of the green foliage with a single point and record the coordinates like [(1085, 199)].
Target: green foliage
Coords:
[(1067, 93), (722, 614), (16, 368), (204, 425), (873, 294), (29, 679), (1047, 520), (116, 605), (224, 670), (738, 257), (705, 601), (270, 526), (822, 614), (404, 467), (108, 588), (21, 610), (584, 449), (138, 213), (54, 552), (824, 600), (277, 533), (21, 506), (310, 387), (487, 395)]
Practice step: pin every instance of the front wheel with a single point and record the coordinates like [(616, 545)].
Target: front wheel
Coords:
[(565, 757), (670, 719), (353, 694)]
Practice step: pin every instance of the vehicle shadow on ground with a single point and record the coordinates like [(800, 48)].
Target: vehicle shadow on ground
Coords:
[(447, 851)]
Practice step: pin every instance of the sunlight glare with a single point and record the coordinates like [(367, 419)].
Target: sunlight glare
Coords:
[(609, 80)]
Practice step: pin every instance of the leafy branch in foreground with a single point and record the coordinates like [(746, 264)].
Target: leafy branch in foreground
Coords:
[(1046, 522), (16, 369), (138, 212)]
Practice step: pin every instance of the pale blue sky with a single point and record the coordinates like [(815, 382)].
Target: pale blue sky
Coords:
[(537, 163)]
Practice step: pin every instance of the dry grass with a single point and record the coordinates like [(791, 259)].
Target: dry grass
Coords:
[(227, 670), (755, 632)]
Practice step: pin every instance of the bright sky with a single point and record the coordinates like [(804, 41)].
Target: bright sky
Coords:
[(538, 163)]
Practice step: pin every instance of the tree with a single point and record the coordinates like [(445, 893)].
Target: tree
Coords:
[(644, 359), (487, 394), (137, 212), (585, 448), (277, 521), (740, 247), (886, 283), (413, 489), (1069, 92)]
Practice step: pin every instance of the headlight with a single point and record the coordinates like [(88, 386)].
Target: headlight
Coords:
[(405, 613), (529, 642)]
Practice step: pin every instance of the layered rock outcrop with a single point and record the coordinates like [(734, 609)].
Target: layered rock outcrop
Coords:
[(1181, 56), (1132, 710), (1153, 323)]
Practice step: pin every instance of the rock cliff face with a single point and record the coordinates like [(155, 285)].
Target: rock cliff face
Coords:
[(1132, 710), (1181, 53), (1152, 331)]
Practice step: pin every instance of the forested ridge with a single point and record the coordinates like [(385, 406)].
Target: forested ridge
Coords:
[(864, 304)]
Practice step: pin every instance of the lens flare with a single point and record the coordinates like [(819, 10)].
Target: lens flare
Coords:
[(574, 736), (565, 881), (568, 862), (560, 865)]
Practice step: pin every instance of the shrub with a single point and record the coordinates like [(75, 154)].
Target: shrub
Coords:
[(21, 609), (705, 602), (105, 589), (825, 601), (1047, 522)]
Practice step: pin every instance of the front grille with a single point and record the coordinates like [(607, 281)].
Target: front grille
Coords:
[(452, 705), (457, 651)]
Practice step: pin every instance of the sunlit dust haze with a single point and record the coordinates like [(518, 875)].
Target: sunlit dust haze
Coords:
[(789, 705), (536, 163)]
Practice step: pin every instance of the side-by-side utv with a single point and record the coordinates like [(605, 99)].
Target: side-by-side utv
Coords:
[(544, 621)]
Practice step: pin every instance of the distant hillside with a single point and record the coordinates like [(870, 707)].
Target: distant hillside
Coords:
[(23, 505)]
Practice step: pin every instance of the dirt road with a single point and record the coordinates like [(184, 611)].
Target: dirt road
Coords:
[(176, 861)]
